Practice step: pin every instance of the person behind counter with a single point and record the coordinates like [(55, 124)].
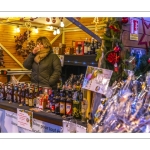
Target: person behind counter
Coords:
[(45, 65)]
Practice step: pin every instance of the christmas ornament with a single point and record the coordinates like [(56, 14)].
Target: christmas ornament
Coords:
[(47, 19), (54, 20), (117, 48), (111, 27), (125, 20), (113, 58), (148, 60)]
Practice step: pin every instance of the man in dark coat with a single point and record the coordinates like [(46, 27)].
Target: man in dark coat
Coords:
[(45, 66)]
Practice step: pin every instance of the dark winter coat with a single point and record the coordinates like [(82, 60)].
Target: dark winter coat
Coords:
[(45, 73)]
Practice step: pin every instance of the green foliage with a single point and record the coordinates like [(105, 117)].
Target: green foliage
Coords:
[(110, 38)]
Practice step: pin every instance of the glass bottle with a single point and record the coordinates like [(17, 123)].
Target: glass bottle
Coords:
[(62, 102), (15, 93), (19, 94), (69, 103), (57, 102), (22, 95), (26, 95), (31, 97)]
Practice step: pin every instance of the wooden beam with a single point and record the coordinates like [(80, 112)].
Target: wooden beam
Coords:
[(55, 38), (20, 64)]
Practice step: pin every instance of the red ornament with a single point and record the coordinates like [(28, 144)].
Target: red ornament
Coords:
[(113, 58), (117, 49), (47, 19), (111, 27), (148, 60), (125, 20)]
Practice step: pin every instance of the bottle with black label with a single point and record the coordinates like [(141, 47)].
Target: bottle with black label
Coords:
[(57, 103)]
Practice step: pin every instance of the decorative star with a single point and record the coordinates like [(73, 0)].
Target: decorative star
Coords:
[(142, 41)]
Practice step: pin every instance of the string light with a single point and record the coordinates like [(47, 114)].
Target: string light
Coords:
[(55, 32), (18, 29), (36, 30), (58, 31), (61, 24)]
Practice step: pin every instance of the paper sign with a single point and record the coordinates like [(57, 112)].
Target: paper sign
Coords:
[(134, 26), (25, 119), (97, 79)]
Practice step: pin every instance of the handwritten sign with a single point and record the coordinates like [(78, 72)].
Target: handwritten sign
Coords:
[(24, 118), (97, 79)]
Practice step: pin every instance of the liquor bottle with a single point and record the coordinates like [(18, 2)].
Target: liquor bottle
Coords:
[(1, 94), (8, 92), (15, 93), (88, 47), (77, 98), (3, 91), (35, 95), (57, 102), (62, 102), (85, 47), (40, 90), (11, 92), (22, 95), (31, 97), (51, 99), (19, 94), (26, 95), (69, 103)]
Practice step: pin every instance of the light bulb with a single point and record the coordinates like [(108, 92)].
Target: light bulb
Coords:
[(54, 32), (18, 29), (51, 27), (36, 30), (61, 24), (58, 31)]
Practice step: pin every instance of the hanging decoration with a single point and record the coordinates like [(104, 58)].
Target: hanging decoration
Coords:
[(96, 21), (125, 20), (112, 48)]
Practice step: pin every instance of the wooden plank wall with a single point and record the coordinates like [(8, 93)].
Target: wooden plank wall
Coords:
[(7, 39)]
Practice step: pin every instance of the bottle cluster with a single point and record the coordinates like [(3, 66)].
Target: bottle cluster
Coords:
[(65, 100)]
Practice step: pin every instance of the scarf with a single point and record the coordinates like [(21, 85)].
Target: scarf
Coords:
[(41, 55)]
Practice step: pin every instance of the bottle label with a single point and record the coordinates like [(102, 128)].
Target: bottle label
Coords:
[(62, 108), (30, 102), (26, 101), (68, 109)]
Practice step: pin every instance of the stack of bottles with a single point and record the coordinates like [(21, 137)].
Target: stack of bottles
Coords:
[(126, 109), (65, 101)]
